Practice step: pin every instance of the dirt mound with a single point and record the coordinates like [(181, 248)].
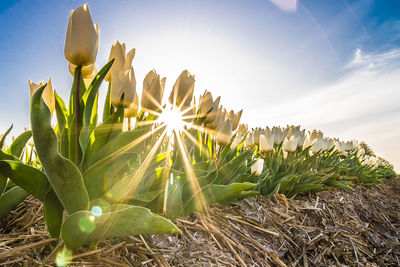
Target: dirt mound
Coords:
[(360, 227)]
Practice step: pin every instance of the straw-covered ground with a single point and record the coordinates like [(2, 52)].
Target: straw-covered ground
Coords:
[(333, 228)]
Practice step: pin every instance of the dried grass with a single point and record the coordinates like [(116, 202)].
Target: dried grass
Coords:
[(333, 228)]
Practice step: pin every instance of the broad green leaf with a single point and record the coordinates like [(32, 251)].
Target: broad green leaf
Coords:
[(63, 175), (53, 213), (19, 143), (103, 133), (3, 182), (10, 199), (82, 227), (29, 178)]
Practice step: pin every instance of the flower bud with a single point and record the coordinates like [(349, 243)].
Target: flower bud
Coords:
[(266, 143), (132, 110), (257, 167), (82, 39), (235, 118), (182, 92), (123, 83), (48, 93), (224, 134), (153, 91), (122, 60), (289, 145)]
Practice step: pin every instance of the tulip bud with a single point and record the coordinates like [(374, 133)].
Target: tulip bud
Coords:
[(182, 92), (257, 167), (266, 143), (235, 118), (206, 104), (237, 140), (122, 60), (243, 128), (123, 83), (289, 145), (224, 134), (132, 110), (249, 140), (153, 91), (82, 39), (48, 93), (88, 71)]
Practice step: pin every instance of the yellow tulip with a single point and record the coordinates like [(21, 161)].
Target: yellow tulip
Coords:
[(122, 60), (82, 39), (182, 92), (123, 83), (48, 93), (153, 91)]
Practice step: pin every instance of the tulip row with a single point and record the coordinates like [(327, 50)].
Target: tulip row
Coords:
[(178, 157)]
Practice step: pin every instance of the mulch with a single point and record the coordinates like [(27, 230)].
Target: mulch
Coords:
[(331, 228)]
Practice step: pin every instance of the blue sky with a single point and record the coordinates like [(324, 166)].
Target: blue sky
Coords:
[(330, 65)]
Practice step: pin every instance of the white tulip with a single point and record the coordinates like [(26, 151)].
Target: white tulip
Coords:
[(237, 140), (182, 92), (123, 83), (48, 93), (266, 143), (153, 91), (122, 60), (224, 134), (82, 39), (290, 145), (257, 167)]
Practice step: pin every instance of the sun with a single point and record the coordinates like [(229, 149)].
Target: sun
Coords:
[(173, 119)]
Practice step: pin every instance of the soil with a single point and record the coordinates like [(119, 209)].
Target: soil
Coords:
[(332, 228)]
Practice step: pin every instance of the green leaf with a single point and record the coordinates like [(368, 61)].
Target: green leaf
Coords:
[(103, 133), (63, 175), (10, 199), (53, 213), (108, 108), (100, 176), (29, 178), (82, 227), (3, 139), (61, 113), (19, 143), (3, 183), (91, 100)]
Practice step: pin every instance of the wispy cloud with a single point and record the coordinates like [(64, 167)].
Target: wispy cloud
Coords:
[(286, 5), (363, 105)]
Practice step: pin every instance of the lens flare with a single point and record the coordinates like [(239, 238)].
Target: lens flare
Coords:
[(63, 258), (173, 119)]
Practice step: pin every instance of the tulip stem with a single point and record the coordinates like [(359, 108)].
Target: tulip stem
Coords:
[(77, 112), (129, 124)]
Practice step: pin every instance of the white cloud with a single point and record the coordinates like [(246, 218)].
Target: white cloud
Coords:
[(363, 105), (286, 5)]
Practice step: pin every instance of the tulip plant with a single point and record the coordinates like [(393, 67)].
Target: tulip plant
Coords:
[(114, 178)]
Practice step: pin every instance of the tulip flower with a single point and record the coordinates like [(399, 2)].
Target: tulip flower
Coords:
[(224, 134), (182, 92), (189, 114), (219, 119), (279, 134), (48, 93), (132, 110), (289, 145), (315, 134), (266, 143), (243, 129), (88, 71), (237, 140), (206, 104), (82, 39), (257, 167), (153, 91), (122, 60), (211, 117), (235, 118), (123, 83), (249, 140)]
